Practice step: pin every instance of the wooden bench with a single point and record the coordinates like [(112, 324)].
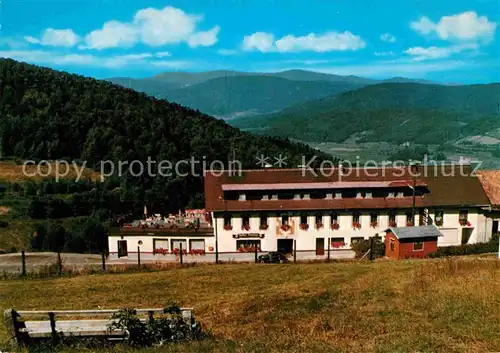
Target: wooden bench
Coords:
[(27, 326)]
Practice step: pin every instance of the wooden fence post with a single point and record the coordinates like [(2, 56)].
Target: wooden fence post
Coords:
[(23, 263), (255, 255), (180, 253), (294, 250), (52, 318), (328, 239), (139, 256), (371, 249), (59, 262), (103, 258)]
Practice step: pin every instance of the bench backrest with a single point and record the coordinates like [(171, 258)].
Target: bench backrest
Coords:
[(25, 325)]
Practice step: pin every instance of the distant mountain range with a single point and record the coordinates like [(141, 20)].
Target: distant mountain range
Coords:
[(390, 112), (229, 94)]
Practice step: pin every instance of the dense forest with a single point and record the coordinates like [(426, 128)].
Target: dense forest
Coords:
[(394, 113), (46, 114)]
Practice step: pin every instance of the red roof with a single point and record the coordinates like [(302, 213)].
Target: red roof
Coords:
[(446, 186)]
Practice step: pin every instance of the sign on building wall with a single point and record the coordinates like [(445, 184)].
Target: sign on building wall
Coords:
[(248, 235)]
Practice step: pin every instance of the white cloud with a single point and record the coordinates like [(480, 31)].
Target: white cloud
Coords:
[(111, 62), (153, 27), (466, 26), (12, 42), (227, 52), (56, 38), (330, 41), (205, 39), (384, 53), (420, 53), (163, 54), (113, 34), (260, 41), (387, 37)]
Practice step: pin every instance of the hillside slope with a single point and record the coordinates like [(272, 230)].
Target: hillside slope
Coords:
[(50, 115), (253, 94), (427, 114)]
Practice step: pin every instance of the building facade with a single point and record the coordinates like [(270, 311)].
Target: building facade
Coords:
[(279, 209)]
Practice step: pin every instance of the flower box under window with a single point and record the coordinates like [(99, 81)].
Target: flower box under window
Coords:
[(285, 227), (319, 225), (356, 225), (264, 226), (337, 244), (245, 227), (228, 227), (160, 251), (304, 226), (409, 224), (374, 224), (393, 224), (464, 223), (335, 226)]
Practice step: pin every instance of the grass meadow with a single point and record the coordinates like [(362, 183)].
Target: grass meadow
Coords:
[(445, 305)]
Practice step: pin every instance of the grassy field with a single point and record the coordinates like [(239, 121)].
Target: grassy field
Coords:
[(14, 172), (407, 306)]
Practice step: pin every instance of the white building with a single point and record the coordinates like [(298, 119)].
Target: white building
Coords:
[(277, 209)]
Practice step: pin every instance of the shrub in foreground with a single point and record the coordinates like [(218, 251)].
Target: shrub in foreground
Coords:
[(468, 249)]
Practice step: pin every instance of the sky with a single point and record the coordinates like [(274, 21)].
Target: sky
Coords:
[(446, 41)]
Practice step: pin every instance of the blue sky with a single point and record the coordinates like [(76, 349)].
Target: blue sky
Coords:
[(447, 41)]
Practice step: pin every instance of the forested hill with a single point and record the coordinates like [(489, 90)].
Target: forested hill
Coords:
[(480, 99), (48, 114), (391, 112)]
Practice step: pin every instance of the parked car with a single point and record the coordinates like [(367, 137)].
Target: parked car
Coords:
[(273, 257)]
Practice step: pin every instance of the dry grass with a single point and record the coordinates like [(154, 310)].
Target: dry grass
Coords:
[(12, 172), (408, 306)]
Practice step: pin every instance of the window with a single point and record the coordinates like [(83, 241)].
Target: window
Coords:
[(122, 248), (263, 221), (197, 246), (160, 246), (247, 245), (227, 220), (421, 218), (392, 219), (418, 246), (337, 242), (356, 217), (303, 219), (439, 217), (357, 240), (374, 220), (177, 243), (285, 219), (319, 218), (409, 219), (245, 219), (334, 218), (392, 244), (463, 215)]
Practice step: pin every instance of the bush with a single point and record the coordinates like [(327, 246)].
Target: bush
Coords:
[(363, 246), (468, 249), (4, 224), (170, 327)]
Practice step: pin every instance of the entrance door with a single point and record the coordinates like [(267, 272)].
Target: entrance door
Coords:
[(285, 246), (320, 246), (495, 227), (466, 233), (122, 248)]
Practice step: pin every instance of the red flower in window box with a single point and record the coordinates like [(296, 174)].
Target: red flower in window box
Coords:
[(392, 224), (319, 225), (356, 225), (439, 223), (304, 226), (160, 251), (176, 251), (464, 222), (374, 224), (285, 227), (264, 226), (409, 224), (245, 227), (228, 227), (337, 244), (335, 226)]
